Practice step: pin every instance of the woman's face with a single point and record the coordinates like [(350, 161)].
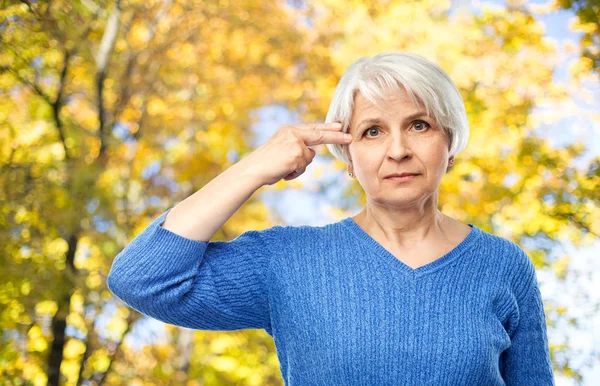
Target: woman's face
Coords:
[(396, 138)]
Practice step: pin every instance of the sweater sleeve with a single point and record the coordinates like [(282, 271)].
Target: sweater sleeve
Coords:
[(217, 285), (527, 360)]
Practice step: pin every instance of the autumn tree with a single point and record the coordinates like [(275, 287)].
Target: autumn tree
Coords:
[(588, 20), (112, 112)]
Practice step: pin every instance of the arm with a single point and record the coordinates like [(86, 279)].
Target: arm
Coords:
[(171, 271), (219, 285), (527, 361), (202, 214)]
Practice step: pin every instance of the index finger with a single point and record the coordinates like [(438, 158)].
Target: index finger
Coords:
[(331, 126), (318, 137)]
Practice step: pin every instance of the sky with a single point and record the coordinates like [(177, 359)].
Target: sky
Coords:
[(577, 293)]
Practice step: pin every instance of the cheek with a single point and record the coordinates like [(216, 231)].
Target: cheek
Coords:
[(433, 153)]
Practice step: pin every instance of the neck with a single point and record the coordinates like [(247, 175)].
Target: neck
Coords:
[(405, 227)]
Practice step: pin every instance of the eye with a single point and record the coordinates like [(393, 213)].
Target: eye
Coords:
[(369, 129), (421, 124)]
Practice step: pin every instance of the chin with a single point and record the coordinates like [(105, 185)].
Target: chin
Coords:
[(400, 199)]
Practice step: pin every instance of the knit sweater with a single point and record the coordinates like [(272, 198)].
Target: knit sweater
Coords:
[(343, 310)]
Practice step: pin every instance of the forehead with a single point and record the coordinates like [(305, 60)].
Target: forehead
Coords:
[(395, 104)]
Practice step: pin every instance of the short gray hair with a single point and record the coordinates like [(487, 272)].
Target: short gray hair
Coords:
[(423, 81)]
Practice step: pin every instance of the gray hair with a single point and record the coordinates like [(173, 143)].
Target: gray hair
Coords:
[(423, 81)]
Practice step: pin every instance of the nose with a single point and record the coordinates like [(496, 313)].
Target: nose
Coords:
[(399, 146)]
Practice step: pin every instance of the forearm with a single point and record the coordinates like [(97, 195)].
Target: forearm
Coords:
[(202, 214)]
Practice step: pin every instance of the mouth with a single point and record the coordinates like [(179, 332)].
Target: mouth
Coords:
[(399, 178), (401, 175)]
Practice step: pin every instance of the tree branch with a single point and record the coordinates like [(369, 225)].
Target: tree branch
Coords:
[(27, 83), (133, 316), (107, 45), (129, 68), (57, 104), (89, 322)]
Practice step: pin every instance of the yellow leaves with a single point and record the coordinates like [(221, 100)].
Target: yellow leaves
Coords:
[(227, 108), (221, 344), (131, 116), (134, 192), (93, 280), (534, 182), (138, 35), (550, 226), (224, 74), (120, 45), (30, 134), (99, 361), (56, 248), (21, 215), (73, 349), (561, 265), (77, 302), (36, 341), (225, 364), (46, 308), (490, 207), (93, 146), (576, 25), (252, 215), (527, 160), (50, 153), (13, 309), (183, 53), (581, 67), (239, 47), (35, 374), (53, 58), (255, 52), (156, 107), (116, 326), (202, 89), (495, 178), (84, 113), (25, 287), (273, 59), (70, 368)]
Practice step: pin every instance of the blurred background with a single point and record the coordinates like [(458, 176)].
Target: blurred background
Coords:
[(112, 112)]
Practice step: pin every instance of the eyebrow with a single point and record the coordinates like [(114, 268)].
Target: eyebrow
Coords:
[(407, 119)]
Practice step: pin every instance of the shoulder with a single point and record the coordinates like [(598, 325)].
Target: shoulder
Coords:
[(509, 260), (285, 235)]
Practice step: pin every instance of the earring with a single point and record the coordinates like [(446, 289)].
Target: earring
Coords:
[(451, 161), (351, 175)]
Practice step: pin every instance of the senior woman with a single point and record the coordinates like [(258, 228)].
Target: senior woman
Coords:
[(399, 294)]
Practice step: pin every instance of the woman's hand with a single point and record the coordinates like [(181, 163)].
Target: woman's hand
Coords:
[(286, 153)]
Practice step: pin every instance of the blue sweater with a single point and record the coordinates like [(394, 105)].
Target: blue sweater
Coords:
[(343, 310)]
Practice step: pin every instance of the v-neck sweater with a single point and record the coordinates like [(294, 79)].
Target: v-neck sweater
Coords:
[(343, 310)]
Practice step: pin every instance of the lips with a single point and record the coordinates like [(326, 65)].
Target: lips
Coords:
[(401, 175)]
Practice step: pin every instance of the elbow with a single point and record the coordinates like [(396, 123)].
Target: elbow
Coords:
[(122, 283), (129, 292), (118, 287)]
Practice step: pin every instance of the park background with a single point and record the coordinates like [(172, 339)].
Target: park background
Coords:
[(112, 112)]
